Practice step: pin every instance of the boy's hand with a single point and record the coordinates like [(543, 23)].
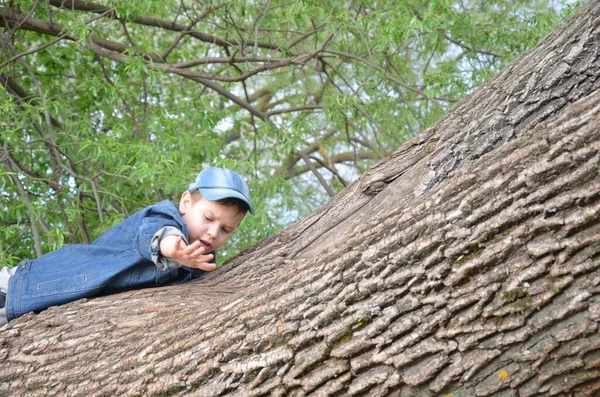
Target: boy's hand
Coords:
[(192, 255)]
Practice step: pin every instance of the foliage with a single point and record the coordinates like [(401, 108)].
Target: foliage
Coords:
[(109, 106)]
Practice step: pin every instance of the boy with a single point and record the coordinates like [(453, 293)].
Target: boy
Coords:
[(158, 245)]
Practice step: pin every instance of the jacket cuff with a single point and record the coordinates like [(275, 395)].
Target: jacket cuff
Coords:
[(162, 262)]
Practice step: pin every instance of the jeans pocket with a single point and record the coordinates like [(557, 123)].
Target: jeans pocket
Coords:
[(63, 285)]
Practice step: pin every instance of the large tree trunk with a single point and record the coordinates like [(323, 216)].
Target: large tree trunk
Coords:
[(466, 264)]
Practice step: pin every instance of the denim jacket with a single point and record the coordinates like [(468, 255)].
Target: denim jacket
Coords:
[(122, 258)]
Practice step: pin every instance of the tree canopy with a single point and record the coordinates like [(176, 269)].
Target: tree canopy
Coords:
[(108, 106)]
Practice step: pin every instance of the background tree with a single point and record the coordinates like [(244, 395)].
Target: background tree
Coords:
[(108, 106), (467, 263)]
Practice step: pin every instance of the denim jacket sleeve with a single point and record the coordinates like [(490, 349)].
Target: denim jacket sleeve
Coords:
[(162, 262), (160, 217)]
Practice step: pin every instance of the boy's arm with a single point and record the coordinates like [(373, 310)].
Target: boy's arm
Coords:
[(158, 225), (193, 255)]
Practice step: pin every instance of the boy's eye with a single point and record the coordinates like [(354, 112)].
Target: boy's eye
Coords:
[(207, 218)]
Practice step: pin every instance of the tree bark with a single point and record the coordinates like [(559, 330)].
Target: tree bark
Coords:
[(465, 264)]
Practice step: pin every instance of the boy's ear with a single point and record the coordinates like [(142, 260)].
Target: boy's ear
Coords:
[(185, 202)]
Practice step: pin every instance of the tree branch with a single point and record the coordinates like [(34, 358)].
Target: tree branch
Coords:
[(32, 51), (316, 173), (385, 74), (25, 196), (294, 109), (79, 5)]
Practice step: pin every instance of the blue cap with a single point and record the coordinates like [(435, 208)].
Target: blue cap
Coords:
[(217, 183)]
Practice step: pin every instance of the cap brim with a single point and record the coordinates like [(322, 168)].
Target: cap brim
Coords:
[(214, 194)]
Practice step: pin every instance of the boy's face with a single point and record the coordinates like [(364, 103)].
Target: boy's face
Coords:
[(208, 222)]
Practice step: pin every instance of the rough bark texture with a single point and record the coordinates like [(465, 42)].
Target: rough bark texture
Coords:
[(467, 264)]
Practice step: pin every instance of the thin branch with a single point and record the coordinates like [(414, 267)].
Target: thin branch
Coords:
[(51, 123), (25, 18), (305, 36), (375, 124), (316, 173), (81, 225), (466, 47), (7, 155), (172, 69), (259, 23), (128, 108), (40, 26), (428, 60), (222, 91), (192, 76), (175, 42), (111, 50), (330, 169), (364, 137), (443, 33), (294, 109), (231, 60), (56, 159), (339, 158), (385, 73), (32, 218), (80, 5), (33, 50)]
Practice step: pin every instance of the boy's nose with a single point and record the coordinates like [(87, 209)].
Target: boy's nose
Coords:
[(213, 231)]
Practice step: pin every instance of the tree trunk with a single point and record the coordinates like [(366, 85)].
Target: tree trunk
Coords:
[(466, 264)]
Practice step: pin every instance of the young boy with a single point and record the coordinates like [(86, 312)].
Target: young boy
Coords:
[(158, 245)]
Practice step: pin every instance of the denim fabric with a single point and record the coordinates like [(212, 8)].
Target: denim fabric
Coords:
[(120, 259), (163, 262)]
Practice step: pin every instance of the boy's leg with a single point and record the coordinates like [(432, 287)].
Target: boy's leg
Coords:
[(5, 275)]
